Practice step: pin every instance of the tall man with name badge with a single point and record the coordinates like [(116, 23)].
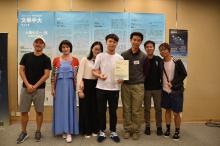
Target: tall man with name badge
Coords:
[(132, 90)]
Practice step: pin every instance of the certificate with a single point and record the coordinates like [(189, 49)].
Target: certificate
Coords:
[(121, 69)]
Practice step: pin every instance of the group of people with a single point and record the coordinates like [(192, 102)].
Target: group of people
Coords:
[(93, 78)]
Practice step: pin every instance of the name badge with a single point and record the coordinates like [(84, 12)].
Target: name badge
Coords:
[(136, 62)]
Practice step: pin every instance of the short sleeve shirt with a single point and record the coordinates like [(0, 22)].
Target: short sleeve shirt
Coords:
[(34, 67)]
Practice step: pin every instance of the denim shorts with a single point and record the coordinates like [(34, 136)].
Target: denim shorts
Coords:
[(172, 102)]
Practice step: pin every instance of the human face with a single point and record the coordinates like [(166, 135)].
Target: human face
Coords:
[(65, 49), (149, 48), (39, 45), (135, 42), (96, 50), (164, 52), (111, 44)]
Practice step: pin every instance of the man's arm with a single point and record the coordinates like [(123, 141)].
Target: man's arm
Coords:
[(97, 74), (146, 67), (181, 73), (30, 87), (43, 78)]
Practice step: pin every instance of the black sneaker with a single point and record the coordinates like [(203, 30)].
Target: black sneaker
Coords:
[(167, 134), (101, 137), (147, 131), (176, 136), (38, 136), (22, 137), (159, 131), (115, 137)]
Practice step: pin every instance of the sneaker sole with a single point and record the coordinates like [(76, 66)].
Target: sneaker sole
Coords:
[(176, 139), (68, 141), (95, 135), (166, 136), (38, 140), (22, 140)]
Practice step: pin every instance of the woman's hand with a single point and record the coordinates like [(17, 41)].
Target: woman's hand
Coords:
[(81, 94), (81, 86), (53, 93)]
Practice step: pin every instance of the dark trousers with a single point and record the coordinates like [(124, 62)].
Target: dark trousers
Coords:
[(104, 96), (88, 109)]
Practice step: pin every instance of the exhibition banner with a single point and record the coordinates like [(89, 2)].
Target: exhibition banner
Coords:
[(82, 29), (30, 26)]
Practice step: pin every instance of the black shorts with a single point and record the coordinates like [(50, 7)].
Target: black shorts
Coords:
[(172, 102)]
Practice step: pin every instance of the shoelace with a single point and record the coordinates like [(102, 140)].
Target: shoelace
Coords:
[(114, 134), (102, 134), (38, 134), (176, 134)]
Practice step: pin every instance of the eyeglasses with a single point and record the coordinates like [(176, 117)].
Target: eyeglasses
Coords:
[(97, 50), (163, 49)]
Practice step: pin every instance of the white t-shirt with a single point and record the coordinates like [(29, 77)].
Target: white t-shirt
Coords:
[(85, 70), (169, 67), (105, 62)]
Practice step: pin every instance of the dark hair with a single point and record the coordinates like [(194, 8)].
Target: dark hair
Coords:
[(149, 42), (112, 36), (90, 53), (165, 45), (137, 34), (65, 42)]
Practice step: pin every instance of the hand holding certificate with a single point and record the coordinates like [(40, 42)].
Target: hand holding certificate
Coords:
[(121, 70)]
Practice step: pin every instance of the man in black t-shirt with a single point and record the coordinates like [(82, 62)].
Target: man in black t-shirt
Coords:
[(34, 70), (153, 89)]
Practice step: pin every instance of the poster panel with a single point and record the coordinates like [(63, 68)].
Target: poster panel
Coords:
[(75, 27), (105, 23), (178, 40), (30, 26), (152, 26), (82, 29)]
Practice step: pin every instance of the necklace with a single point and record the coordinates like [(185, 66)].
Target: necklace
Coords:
[(65, 57)]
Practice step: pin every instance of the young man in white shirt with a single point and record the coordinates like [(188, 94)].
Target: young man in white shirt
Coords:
[(107, 87)]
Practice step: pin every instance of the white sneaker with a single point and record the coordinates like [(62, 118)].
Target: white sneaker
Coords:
[(87, 136), (68, 138), (94, 134), (64, 136)]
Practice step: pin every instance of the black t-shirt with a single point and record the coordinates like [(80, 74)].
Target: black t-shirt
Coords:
[(34, 67), (153, 81)]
